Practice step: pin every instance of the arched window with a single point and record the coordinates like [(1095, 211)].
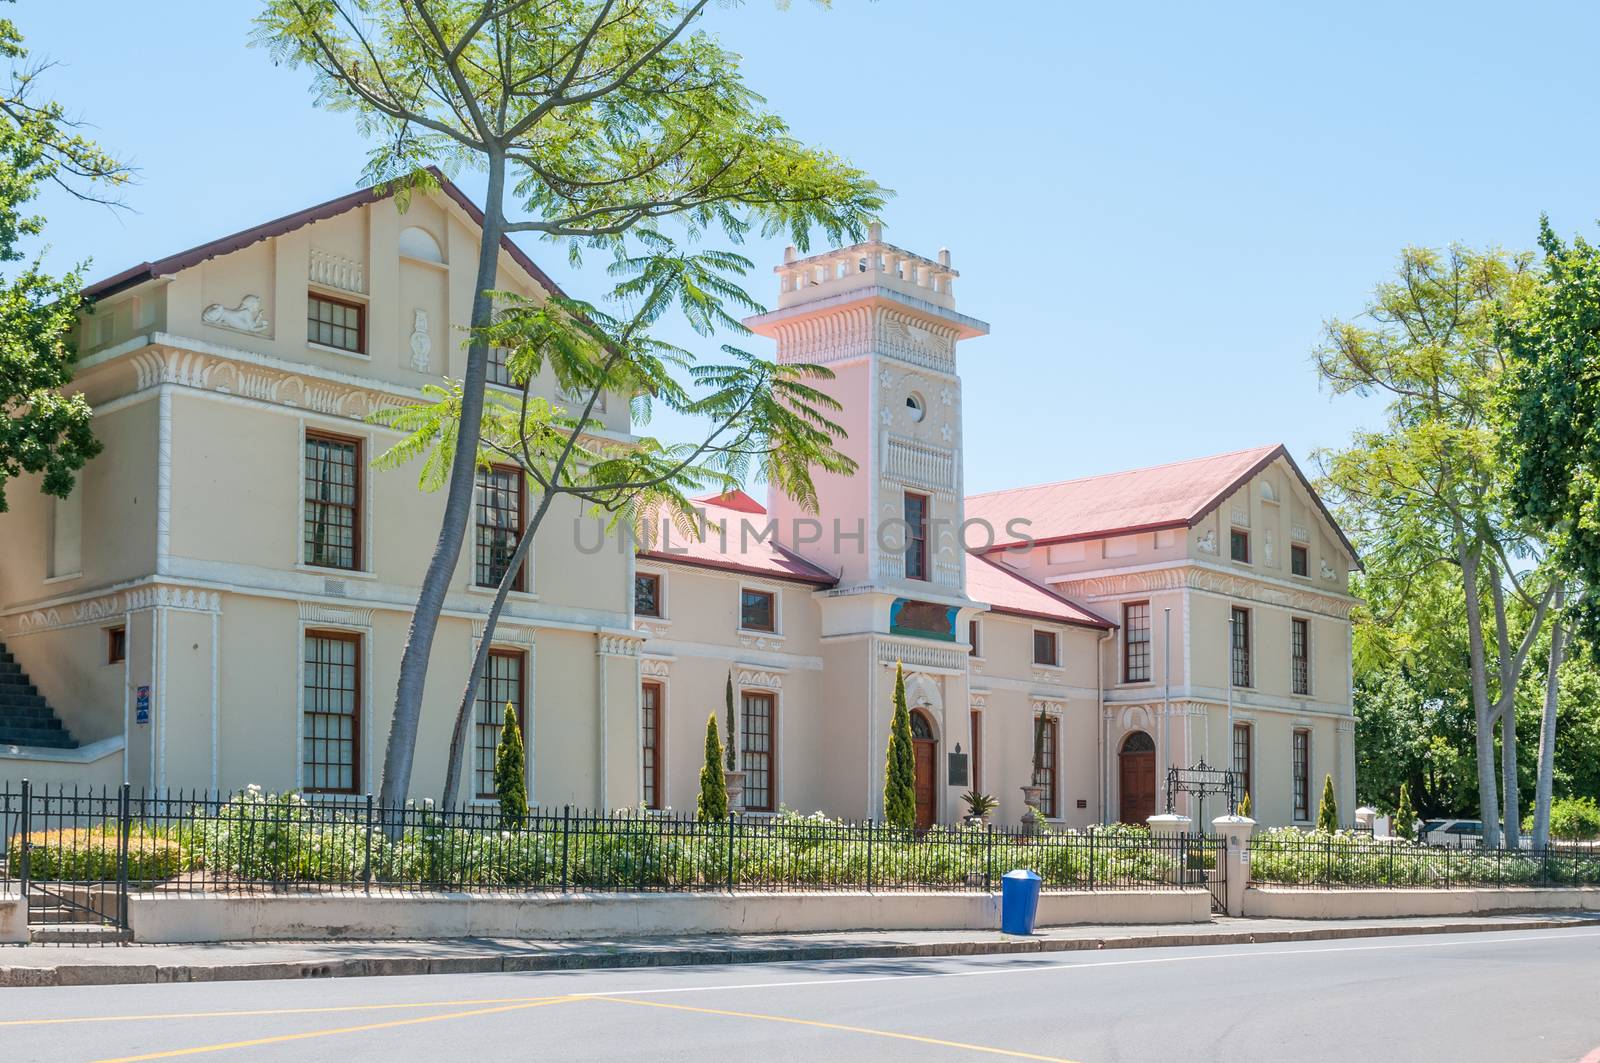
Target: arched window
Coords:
[(1138, 742), (920, 727), (419, 243)]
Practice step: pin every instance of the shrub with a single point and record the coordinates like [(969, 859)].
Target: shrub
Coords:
[(899, 768), (1328, 810), (1244, 806), (79, 855), (1405, 816), (1575, 819), (713, 803), (509, 784)]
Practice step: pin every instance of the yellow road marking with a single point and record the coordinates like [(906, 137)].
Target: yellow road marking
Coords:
[(964, 1046), (281, 1038), (268, 1011)]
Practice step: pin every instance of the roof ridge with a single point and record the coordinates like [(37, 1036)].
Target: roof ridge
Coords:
[(190, 257), (1264, 448)]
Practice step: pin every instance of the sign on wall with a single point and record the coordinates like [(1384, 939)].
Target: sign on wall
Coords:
[(957, 770), (141, 706), (926, 620)]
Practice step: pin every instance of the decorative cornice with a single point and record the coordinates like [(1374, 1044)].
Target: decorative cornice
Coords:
[(856, 331), (619, 645), (507, 634), (1204, 578), (108, 606), (759, 677), (207, 372), (318, 613)]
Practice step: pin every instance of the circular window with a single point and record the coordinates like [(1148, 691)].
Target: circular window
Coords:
[(914, 408)]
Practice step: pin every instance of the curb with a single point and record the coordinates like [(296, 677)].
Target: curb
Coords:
[(86, 974)]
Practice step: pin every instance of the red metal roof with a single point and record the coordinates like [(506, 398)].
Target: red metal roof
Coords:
[(735, 542), (1007, 592), (289, 223), (1119, 503)]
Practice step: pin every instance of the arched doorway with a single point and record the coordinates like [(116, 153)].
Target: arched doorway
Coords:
[(1136, 773), (925, 748)]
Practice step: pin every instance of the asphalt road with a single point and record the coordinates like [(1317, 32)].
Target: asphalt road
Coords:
[(1491, 996)]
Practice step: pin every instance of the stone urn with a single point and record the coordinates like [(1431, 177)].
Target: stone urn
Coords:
[(1031, 821), (734, 780)]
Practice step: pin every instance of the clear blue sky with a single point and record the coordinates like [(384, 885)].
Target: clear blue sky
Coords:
[(1154, 205)]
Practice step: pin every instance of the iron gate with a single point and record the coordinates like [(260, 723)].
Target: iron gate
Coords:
[(68, 853)]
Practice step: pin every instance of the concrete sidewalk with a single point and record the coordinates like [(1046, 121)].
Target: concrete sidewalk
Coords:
[(46, 965)]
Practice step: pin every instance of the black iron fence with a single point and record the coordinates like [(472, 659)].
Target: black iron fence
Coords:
[(1349, 861), (251, 842)]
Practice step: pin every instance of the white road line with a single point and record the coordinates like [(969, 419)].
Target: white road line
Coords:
[(1479, 938)]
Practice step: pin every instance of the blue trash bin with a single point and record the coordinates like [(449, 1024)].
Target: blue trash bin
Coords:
[(1019, 902)]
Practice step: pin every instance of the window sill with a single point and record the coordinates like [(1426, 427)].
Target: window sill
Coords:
[(645, 618), (63, 578), (757, 633), (338, 573), (1044, 664), (511, 596), (364, 356)]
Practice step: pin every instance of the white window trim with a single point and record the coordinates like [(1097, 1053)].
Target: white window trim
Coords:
[(1311, 657), (364, 668), (470, 585), (662, 600), (776, 694), (527, 649), (777, 612), (368, 442), (1056, 664)]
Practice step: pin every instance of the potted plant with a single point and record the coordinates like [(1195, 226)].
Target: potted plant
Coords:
[(979, 805)]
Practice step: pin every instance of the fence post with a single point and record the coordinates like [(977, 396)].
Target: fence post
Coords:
[(124, 834), (988, 860), (871, 832), (566, 843), (366, 860), (732, 819), (27, 829)]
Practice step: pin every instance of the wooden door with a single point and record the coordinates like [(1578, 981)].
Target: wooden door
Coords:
[(926, 752), (1137, 780)]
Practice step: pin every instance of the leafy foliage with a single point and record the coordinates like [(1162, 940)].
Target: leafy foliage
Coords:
[(1328, 807), (1244, 806), (730, 725), (42, 431), (603, 120), (900, 769), (91, 855), (713, 802), (1425, 495), (510, 785), (1287, 856), (1575, 819), (1405, 815), (979, 804)]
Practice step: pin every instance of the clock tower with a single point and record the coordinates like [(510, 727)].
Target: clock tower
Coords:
[(884, 321)]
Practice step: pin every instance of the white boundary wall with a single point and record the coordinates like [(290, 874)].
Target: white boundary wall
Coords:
[(1268, 903), (357, 916)]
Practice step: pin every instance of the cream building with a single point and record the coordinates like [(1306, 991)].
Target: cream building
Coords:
[(224, 598)]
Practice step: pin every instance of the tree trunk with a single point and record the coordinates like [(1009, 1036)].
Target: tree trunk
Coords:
[(401, 750), (1483, 717), (1510, 787), (1547, 730), (480, 659)]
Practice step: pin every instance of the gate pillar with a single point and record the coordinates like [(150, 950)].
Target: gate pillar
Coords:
[(1234, 833)]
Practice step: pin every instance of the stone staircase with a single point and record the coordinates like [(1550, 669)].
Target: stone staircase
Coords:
[(26, 719)]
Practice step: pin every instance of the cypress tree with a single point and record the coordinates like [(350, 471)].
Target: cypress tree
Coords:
[(900, 769), (1405, 816), (732, 761), (1328, 810), (713, 803), (1244, 806), (509, 785)]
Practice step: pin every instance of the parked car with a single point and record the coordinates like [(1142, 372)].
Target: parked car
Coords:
[(1456, 833)]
